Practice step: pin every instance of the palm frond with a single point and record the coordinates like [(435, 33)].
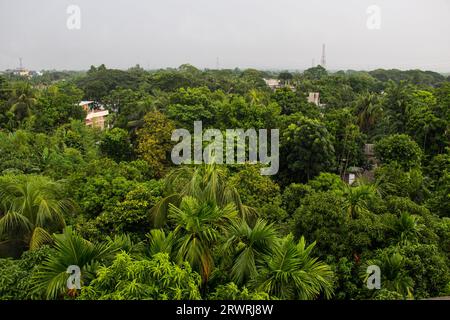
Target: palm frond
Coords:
[(39, 238)]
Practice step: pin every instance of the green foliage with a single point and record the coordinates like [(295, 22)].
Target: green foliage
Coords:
[(294, 102), (236, 112), (368, 110), (292, 273), (32, 207), (128, 107), (231, 291), (293, 195), (127, 216), (116, 144), (428, 267), (315, 73), (103, 183), (348, 140), (326, 181), (323, 217), (307, 149), (194, 104), (154, 279), (399, 148), (224, 231), (416, 76), (259, 192), (424, 125), (16, 275), (248, 245), (57, 105), (100, 82), (155, 143), (394, 273), (206, 183), (347, 283), (393, 180), (50, 281), (20, 105), (199, 226)]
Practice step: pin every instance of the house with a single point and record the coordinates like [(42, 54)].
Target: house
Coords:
[(351, 174), (314, 97), (273, 83), (277, 84), (367, 172), (96, 114), (369, 152)]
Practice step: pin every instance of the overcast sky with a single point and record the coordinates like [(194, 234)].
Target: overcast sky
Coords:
[(276, 34)]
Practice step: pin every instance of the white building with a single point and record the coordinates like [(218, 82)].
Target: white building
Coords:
[(273, 83), (314, 97)]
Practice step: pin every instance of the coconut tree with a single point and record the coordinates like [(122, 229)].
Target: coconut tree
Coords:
[(292, 273), (31, 209), (199, 226), (248, 245)]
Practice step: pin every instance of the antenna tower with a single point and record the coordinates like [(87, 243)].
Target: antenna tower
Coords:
[(323, 61)]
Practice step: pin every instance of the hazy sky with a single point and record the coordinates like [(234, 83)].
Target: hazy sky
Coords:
[(276, 34)]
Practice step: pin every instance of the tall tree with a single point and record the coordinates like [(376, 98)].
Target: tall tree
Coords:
[(31, 209), (207, 183), (22, 101), (307, 149), (71, 250), (248, 246), (154, 141), (292, 273), (199, 226)]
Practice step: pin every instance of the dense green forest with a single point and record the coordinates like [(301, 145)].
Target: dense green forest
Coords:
[(139, 227)]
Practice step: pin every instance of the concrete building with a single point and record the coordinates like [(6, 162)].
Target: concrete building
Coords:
[(314, 97), (96, 114), (273, 83)]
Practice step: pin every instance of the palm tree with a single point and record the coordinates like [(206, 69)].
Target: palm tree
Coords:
[(398, 97), (393, 275), (71, 250), (357, 198), (22, 100), (160, 242), (408, 228), (292, 273), (368, 111), (31, 209), (200, 225), (207, 183), (254, 96), (247, 246)]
